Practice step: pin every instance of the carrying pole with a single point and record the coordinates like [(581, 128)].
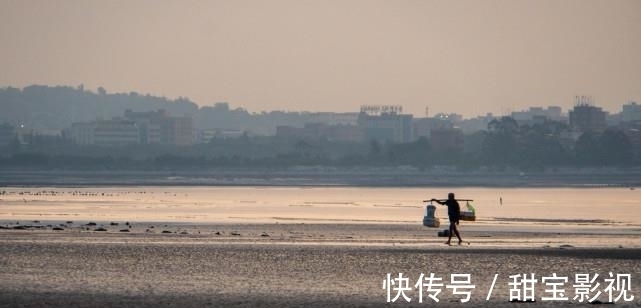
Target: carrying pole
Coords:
[(443, 200)]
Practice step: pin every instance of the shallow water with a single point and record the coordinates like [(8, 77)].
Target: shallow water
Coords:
[(601, 207)]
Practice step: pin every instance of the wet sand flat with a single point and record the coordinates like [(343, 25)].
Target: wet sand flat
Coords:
[(292, 246), (242, 268)]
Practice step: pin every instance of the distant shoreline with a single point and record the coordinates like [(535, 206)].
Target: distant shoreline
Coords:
[(321, 176)]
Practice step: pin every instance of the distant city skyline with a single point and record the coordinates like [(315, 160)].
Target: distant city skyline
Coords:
[(469, 57)]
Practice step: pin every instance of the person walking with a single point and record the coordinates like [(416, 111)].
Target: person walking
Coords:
[(454, 214)]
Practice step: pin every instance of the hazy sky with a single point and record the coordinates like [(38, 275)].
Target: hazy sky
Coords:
[(468, 57)]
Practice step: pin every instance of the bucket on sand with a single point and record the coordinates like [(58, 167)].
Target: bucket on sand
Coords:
[(429, 220)]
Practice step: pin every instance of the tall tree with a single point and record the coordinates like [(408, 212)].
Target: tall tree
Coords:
[(500, 144), (615, 147)]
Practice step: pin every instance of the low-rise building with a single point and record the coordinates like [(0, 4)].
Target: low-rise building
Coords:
[(177, 131), (538, 115), (424, 126), (115, 132), (151, 127), (385, 123), (631, 112), (81, 133)]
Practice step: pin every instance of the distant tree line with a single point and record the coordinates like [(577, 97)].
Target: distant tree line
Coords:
[(543, 145)]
